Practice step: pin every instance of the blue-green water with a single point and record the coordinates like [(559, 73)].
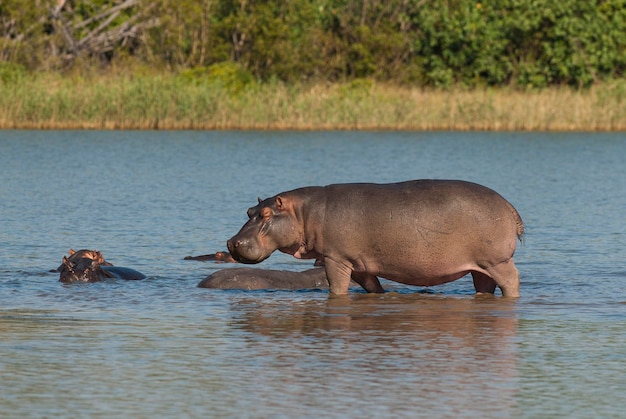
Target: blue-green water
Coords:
[(164, 348)]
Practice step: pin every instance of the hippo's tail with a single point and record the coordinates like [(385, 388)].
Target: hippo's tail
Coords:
[(518, 222), (520, 228)]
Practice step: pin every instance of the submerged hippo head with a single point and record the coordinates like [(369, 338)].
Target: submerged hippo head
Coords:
[(82, 266), (272, 225)]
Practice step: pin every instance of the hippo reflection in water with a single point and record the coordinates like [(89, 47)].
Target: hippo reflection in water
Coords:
[(89, 266)]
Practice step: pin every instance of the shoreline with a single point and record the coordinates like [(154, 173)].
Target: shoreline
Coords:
[(250, 128), (167, 102)]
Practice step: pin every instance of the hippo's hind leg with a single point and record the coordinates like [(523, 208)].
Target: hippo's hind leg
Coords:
[(505, 275)]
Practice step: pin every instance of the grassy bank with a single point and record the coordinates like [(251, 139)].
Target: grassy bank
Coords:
[(49, 101)]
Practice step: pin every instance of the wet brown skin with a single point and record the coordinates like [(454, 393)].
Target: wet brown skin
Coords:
[(266, 279), (257, 279), (89, 266), (424, 232), (215, 257)]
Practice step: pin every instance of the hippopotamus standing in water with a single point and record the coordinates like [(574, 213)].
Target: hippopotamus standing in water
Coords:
[(422, 232), (90, 266)]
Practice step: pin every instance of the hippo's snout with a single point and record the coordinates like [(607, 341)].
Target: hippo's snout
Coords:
[(245, 250), (236, 246), (69, 275)]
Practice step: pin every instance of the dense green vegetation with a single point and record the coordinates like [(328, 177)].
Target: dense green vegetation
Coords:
[(525, 43), (313, 64)]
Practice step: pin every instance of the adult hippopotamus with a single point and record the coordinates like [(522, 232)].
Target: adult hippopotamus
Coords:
[(257, 279), (89, 266), (421, 232)]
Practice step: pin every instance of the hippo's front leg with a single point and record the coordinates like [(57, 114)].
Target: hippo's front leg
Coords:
[(338, 276)]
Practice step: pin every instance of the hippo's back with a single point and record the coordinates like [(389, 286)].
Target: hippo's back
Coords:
[(256, 279), (120, 272), (429, 202)]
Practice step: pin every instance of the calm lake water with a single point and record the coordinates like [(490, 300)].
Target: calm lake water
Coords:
[(164, 348)]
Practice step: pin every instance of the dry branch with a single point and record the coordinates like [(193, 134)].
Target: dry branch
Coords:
[(107, 34)]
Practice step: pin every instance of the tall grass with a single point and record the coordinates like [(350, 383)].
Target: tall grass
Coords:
[(171, 102)]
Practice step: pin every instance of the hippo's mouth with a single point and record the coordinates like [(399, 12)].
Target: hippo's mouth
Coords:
[(248, 261), (298, 251), (244, 251)]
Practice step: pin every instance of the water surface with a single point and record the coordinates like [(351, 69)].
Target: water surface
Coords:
[(163, 347)]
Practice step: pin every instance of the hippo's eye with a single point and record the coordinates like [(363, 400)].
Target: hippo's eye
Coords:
[(266, 213)]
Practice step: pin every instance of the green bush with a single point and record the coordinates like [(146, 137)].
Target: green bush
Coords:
[(527, 43), (11, 73), (227, 75)]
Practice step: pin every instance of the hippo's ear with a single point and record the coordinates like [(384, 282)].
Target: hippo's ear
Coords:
[(71, 252), (283, 204), (98, 257), (259, 199), (64, 260)]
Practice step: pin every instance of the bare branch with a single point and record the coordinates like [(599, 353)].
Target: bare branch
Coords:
[(115, 9)]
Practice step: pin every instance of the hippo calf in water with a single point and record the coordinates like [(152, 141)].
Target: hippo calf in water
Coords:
[(422, 232), (89, 266), (266, 279), (260, 279)]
